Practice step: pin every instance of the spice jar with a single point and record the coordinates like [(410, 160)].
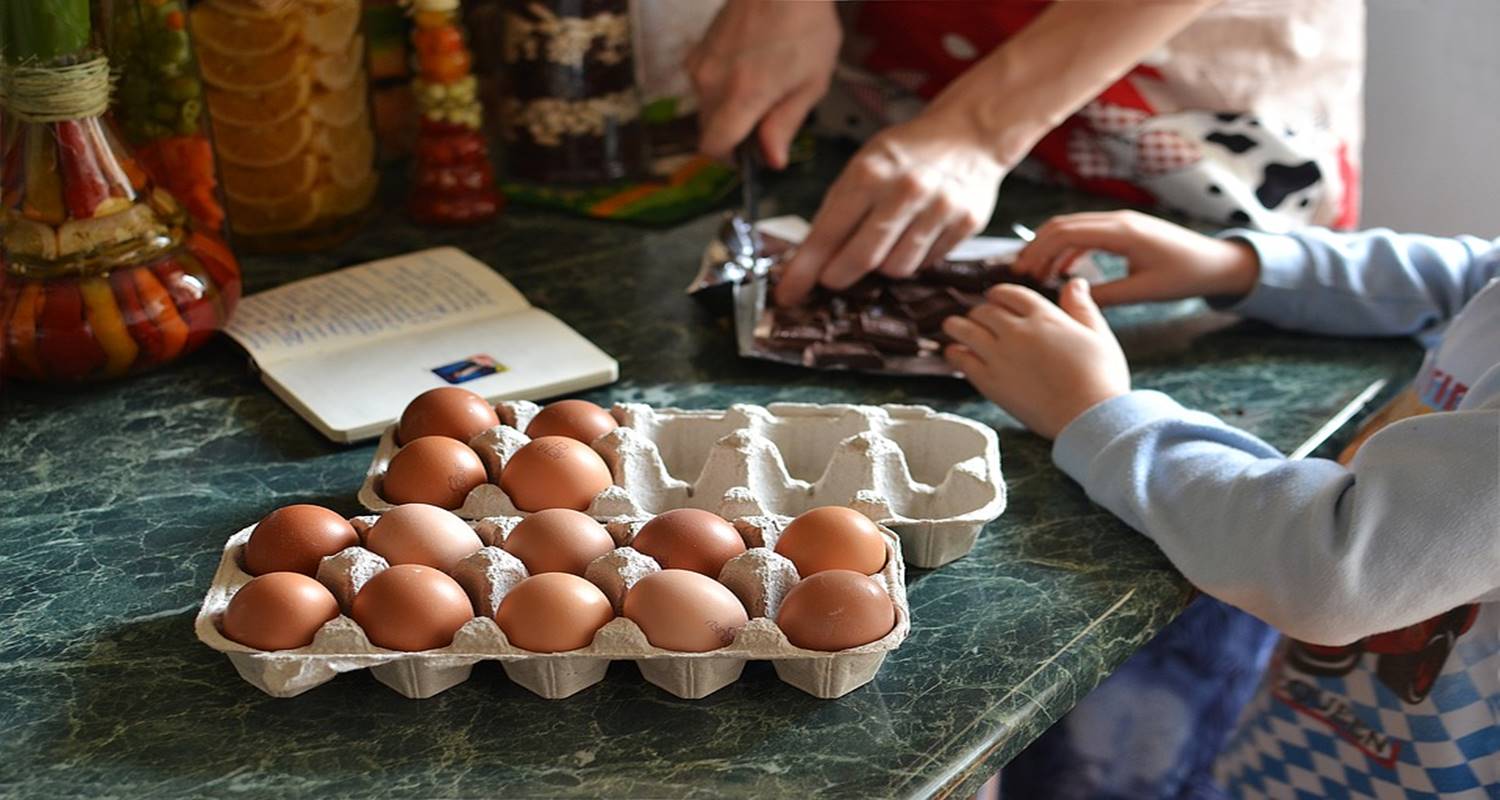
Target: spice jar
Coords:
[(453, 183), (572, 113), (105, 273), (287, 91)]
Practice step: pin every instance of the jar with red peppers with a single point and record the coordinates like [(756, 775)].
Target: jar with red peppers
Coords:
[(572, 114), (454, 183), (105, 271)]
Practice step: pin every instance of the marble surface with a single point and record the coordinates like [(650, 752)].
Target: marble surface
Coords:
[(115, 501)]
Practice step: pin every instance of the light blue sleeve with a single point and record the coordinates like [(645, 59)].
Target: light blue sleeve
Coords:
[(1325, 553), (1373, 283)]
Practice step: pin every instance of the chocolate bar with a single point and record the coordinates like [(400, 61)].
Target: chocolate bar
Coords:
[(971, 276), (889, 334), (850, 355)]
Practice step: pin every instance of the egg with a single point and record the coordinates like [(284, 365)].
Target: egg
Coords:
[(435, 470), (554, 472), (553, 613), (685, 611), (278, 611), (295, 539), (446, 411), (691, 539), (558, 540), (417, 533), (411, 607), (835, 610), (833, 537), (575, 419)]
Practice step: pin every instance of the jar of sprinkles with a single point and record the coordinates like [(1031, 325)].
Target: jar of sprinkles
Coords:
[(572, 114)]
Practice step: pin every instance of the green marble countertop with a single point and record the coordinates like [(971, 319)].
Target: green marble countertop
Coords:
[(116, 499)]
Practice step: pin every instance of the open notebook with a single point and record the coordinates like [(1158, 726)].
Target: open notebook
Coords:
[(347, 350)]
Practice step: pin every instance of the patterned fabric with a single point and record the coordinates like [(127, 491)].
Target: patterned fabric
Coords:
[(1351, 735), (1263, 142)]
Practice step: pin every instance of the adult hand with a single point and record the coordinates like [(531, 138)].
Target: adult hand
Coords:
[(1167, 262), (909, 195), (762, 63), (1045, 364)]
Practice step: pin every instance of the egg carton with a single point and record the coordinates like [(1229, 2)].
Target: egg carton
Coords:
[(933, 478), (759, 577)]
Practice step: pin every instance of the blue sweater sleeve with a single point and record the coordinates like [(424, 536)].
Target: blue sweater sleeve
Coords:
[(1327, 554), (1373, 283)]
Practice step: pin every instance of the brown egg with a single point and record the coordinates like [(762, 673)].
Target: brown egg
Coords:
[(558, 540), (446, 411), (417, 533), (435, 470), (575, 419), (295, 539), (690, 538), (411, 607), (835, 610), (832, 537), (553, 613), (685, 611), (278, 611), (554, 472)]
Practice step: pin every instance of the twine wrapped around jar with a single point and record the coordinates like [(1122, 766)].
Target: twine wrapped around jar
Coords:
[(56, 93)]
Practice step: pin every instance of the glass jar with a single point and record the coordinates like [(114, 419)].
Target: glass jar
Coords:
[(453, 182), (572, 113), (287, 93), (105, 272)]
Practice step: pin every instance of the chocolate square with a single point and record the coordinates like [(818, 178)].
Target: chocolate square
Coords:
[(972, 276), (909, 292), (852, 355), (890, 334), (796, 328), (930, 313)]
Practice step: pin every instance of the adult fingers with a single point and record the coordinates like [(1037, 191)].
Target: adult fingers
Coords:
[(963, 224), (910, 251), (779, 126), (843, 208)]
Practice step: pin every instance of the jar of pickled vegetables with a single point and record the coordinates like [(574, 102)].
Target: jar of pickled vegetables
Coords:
[(572, 113), (158, 102), (286, 87), (453, 183), (105, 271)]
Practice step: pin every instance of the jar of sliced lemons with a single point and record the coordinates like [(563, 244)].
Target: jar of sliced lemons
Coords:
[(287, 96)]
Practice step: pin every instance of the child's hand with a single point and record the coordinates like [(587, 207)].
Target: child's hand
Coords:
[(1046, 364), (1167, 262)]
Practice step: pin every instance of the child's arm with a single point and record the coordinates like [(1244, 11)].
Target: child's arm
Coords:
[(1374, 283), (1325, 553)]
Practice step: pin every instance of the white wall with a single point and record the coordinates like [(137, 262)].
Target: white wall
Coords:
[(1432, 100)]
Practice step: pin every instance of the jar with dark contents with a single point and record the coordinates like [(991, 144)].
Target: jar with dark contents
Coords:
[(572, 114)]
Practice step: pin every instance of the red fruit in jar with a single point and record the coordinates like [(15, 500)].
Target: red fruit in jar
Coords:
[(159, 307), (137, 322), (221, 266), (108, 325), (84, 187), (192, 301), (64, 341), (21, 332)]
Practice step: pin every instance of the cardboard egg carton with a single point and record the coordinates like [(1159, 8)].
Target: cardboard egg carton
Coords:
[(931, 477), (759, 577)]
